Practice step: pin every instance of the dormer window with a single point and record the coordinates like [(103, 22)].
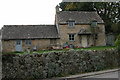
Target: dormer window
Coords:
[(94, 24), (71, 23)]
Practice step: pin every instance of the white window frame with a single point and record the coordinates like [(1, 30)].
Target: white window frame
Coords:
[(71, 37)]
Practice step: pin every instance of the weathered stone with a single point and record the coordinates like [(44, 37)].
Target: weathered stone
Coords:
[(57, 63)]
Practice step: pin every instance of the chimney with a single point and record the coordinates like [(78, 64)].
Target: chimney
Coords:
[(57, 9)]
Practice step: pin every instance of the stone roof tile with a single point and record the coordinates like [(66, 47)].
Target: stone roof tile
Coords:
[(29, 31), (80, 17)]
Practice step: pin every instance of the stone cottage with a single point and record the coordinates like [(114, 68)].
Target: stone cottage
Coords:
[(76, 28)]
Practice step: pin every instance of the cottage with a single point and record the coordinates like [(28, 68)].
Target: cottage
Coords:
[(22, 37), (77, 28)]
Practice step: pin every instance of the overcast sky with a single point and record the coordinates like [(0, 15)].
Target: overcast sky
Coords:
[(27, 12)]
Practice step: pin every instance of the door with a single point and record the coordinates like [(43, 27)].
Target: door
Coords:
[(84, 41), (18, 45)]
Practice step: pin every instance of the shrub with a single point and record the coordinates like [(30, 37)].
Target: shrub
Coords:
[(117, 42)]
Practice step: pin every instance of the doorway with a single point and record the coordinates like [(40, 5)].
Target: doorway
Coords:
[(84, 41), (18, 46)]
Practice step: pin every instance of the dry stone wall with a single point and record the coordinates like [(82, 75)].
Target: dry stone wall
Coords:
[(54, 64)]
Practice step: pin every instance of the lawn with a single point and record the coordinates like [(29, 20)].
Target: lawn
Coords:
[(98, 48), (90, 48)]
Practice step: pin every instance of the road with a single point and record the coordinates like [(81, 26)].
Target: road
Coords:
[(107, 75)]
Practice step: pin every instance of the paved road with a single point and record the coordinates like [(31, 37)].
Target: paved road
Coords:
[(106, 75)]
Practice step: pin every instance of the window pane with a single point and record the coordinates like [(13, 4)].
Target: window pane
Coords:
[(29, 42), (18, 42), (73, 38), (69, 38)]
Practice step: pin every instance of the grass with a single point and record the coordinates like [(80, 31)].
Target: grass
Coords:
[(47, 51), (98, 48)]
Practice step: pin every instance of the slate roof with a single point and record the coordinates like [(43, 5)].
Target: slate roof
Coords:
[(80, 17), (29, 31)]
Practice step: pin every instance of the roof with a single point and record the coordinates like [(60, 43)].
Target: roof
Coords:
[(80, 17), (29, 31)]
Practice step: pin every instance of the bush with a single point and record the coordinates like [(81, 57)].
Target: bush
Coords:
[(117, 42)]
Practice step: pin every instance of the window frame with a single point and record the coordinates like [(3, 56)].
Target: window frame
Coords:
[(71, 24), (71, 37), (28, 42), (18, 42), (94, 23)]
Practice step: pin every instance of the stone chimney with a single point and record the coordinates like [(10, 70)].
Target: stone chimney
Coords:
[(57, 9)]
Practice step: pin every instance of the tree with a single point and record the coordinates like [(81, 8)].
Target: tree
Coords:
[(109, 12), (77, 6), (116, 28), (118, 25)]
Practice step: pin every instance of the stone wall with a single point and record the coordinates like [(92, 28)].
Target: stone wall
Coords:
[(47, 65), (9, 45)]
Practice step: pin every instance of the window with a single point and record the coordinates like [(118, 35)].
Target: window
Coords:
[(28, 42), (71, 37), (94, 24), (18, 42), (71, 23), (96, 36)]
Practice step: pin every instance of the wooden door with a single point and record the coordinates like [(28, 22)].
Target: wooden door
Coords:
[(84, 41)]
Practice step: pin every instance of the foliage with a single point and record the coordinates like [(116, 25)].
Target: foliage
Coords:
[(109, 11), (117, 42), (76, 6), (116, 27)]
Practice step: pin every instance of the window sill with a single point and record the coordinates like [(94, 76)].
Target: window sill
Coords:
[(72, 40)]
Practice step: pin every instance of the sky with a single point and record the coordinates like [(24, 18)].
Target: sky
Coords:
[(27, 12)]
